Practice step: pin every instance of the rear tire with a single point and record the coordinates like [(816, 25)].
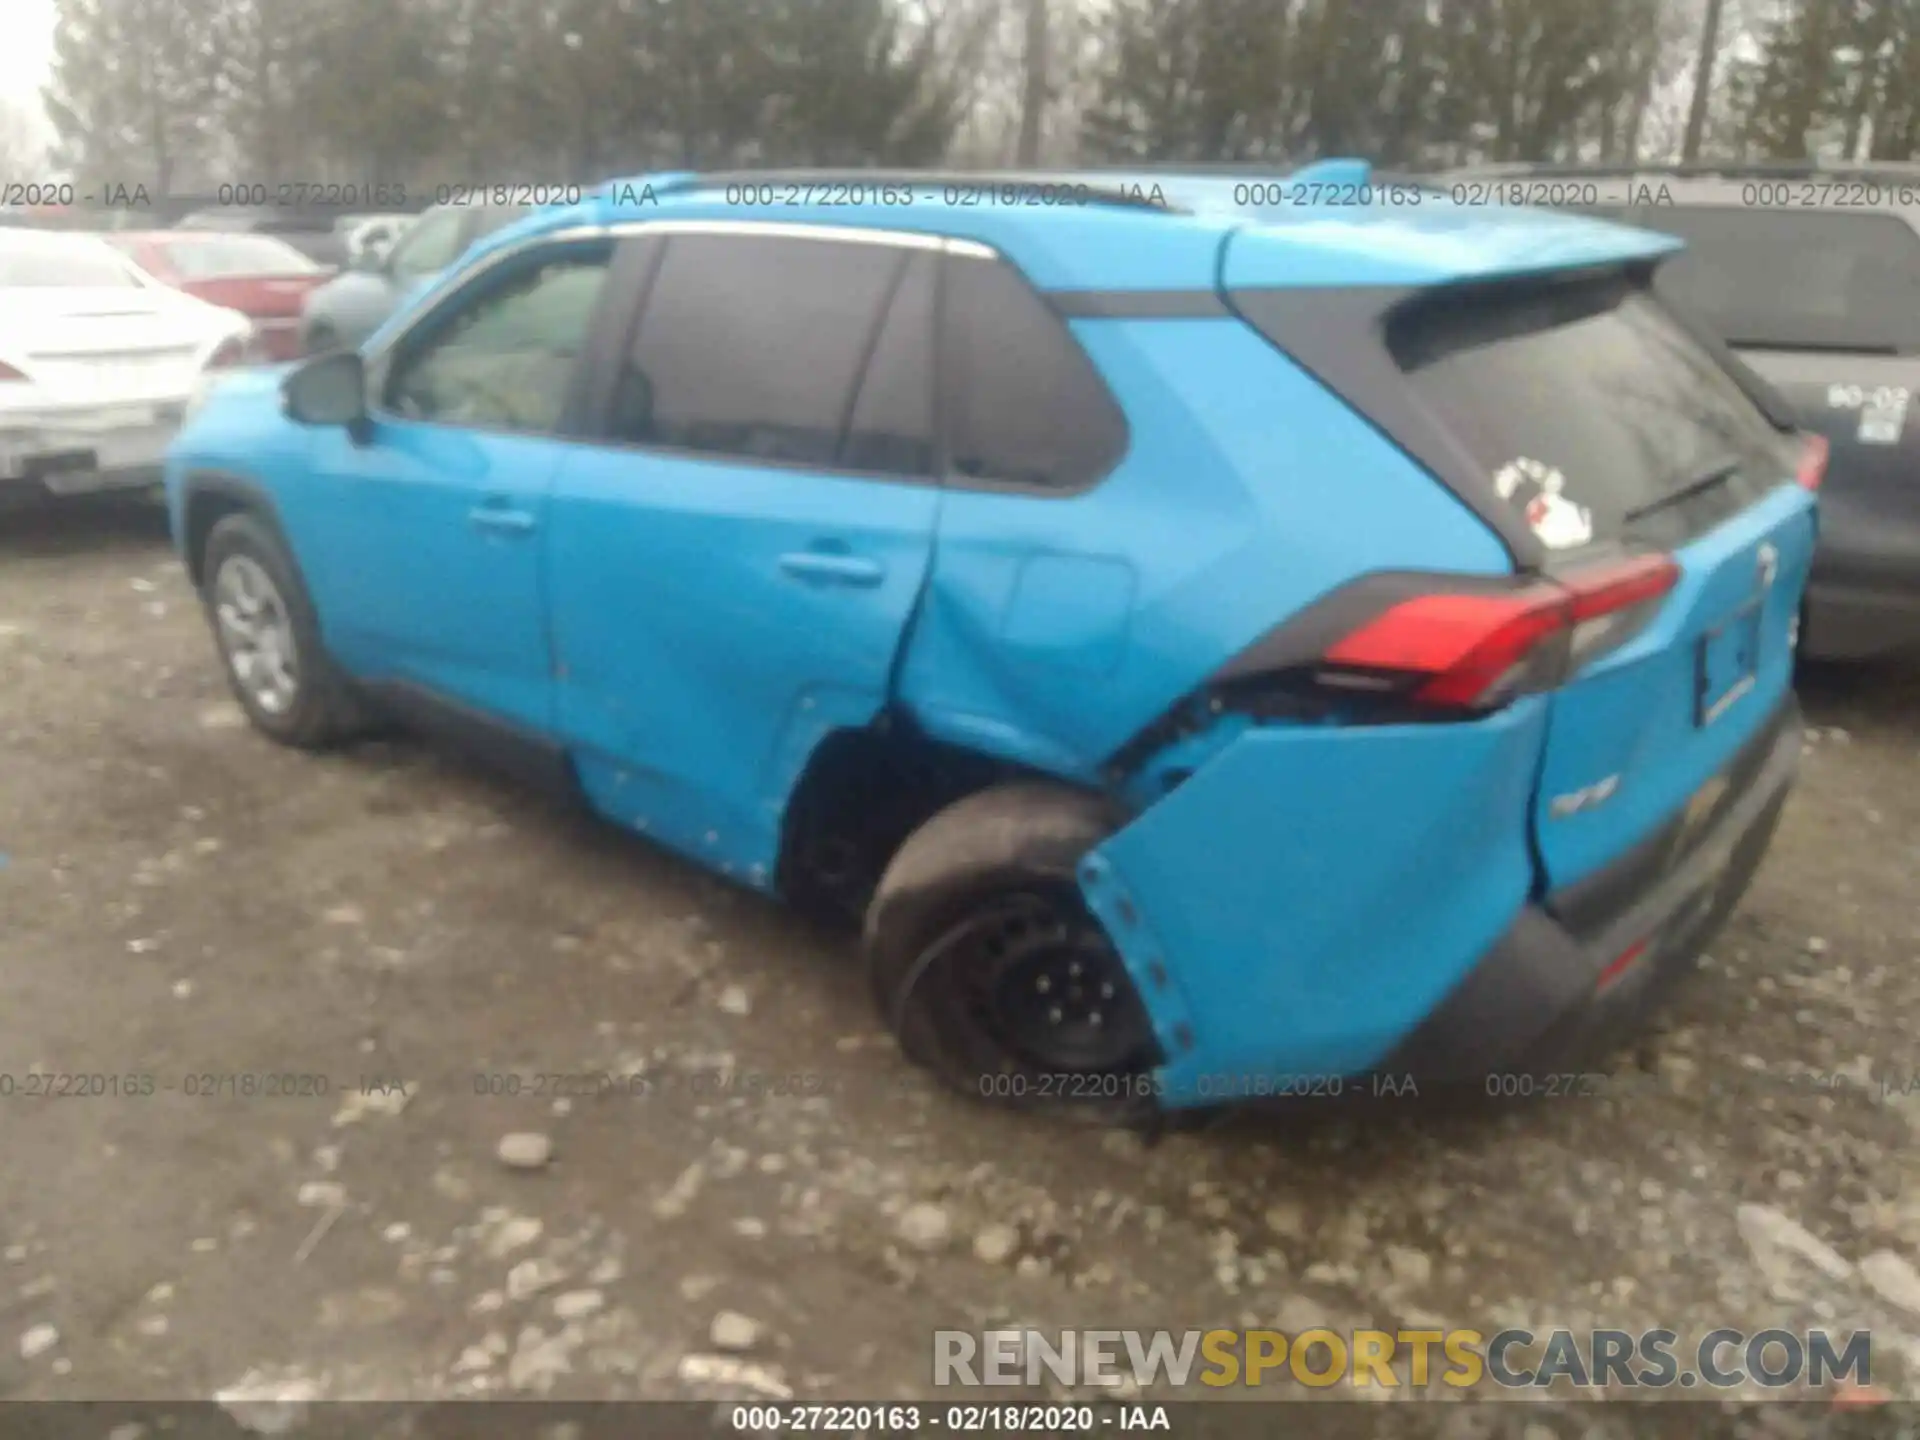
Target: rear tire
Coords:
[(989, 969), (269, 638)]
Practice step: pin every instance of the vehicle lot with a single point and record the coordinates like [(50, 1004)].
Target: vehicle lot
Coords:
[(185, 901)]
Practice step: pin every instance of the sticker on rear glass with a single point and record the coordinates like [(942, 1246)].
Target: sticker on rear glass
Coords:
[(1540, 491)]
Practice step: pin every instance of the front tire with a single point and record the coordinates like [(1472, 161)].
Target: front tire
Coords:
[(269, 638), (989, 968)]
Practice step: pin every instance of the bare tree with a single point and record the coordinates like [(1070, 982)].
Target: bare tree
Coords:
[(22, 151), (1033, 95), (1702, 82)]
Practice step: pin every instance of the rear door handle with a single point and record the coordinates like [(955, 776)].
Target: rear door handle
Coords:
[(833, 568), (500, 519)]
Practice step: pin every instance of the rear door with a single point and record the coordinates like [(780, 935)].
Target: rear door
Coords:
[(1841, 343), (733, 564), (1612, 431)]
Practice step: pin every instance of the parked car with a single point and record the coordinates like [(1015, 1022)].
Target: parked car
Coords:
[(352, 306), (97, 363), (1263, 649), (311, 234), (1812, 275), (260, 276)]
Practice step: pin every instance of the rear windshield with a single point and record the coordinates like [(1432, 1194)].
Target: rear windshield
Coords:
[(214, 256), (1593, 411), (1792, 279)]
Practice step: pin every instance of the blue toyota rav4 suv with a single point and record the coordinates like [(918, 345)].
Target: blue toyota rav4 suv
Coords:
[(1220, 640)]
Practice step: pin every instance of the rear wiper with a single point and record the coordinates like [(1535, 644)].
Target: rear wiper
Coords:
[(1817, 347), (1718, 473)]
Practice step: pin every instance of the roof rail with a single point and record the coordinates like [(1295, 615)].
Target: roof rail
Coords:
[(1117, 194), (1704, 169)]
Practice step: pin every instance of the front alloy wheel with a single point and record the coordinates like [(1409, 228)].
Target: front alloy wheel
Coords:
[(256, 634)]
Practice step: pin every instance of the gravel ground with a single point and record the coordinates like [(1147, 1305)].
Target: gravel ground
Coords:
[(182, 900)]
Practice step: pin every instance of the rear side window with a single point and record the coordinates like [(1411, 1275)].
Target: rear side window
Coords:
[(752, 347), (1592, 409), (1025, 406), (1821, 279)]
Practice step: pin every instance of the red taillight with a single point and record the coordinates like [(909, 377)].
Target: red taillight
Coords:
[(1464, 650), (231, 351), (1620, 965), (1813, 462)]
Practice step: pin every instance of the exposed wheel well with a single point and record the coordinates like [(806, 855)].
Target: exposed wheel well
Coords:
[(864, 792)]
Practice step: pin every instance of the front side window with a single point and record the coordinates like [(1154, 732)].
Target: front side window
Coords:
[(752, 346), (504, 359), (434, 242)]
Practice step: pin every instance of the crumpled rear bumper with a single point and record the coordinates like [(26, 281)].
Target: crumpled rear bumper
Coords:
[(1307, 897), (1317, 905)]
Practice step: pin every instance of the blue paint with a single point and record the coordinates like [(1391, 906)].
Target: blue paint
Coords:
[(1309, 892)]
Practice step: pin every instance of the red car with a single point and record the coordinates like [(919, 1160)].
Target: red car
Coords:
[(263, 278)]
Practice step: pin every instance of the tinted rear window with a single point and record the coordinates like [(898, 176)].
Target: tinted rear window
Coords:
[(1795, 278), (1593, 393), (211, 257)]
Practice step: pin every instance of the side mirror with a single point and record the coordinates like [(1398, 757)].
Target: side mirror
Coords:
[(329, 389)]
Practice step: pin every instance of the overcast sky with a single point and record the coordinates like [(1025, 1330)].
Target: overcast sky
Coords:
[(26, 48)]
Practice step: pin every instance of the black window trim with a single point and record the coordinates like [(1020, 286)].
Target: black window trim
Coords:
[(377, 366)]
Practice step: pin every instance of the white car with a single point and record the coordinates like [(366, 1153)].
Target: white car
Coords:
[(98, 361)]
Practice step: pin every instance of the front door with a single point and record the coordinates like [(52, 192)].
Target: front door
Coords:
[(432, 532)]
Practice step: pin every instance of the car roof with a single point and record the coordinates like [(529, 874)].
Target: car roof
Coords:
[(1136, 229)]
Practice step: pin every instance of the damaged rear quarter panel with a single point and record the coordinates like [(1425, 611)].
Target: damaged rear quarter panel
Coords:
[(1056, 627), (1311, 893)]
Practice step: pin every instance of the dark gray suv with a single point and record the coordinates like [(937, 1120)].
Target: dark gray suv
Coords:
[(1812, 276)]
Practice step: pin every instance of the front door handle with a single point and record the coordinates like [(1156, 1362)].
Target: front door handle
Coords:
[(833, 568), (500, 520)]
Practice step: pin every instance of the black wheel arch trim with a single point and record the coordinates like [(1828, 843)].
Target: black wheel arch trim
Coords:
[(247, 494)]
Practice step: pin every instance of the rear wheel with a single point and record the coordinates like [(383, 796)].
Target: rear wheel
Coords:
[(989, 968), (269, 639)]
